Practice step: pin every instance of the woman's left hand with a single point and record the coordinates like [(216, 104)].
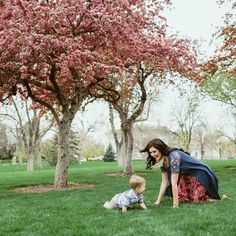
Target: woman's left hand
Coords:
[(156, 203)]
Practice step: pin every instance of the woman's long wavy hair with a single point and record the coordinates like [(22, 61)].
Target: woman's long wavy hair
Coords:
[(158, 144), (162, 147)]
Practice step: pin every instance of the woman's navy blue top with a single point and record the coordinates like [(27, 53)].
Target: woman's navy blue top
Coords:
[(181, 162)]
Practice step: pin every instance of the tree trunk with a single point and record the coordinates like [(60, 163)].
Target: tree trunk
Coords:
[(220, 153), (61, 172), (20, 153), (29, 143), (30, 149), (39, 155), (116, 139), (202, 151), (119, 154), (30, 161), (127, 151)]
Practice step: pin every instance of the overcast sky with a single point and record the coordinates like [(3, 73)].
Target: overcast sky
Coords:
[(198, 19), (195, 18)]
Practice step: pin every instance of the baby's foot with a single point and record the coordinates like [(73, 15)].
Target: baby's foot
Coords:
[(107, 205)]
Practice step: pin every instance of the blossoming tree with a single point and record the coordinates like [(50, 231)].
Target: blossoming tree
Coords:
[(56, 51)]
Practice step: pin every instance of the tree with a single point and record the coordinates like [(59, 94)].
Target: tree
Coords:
[(109, 154), (28, 130), (127, 91), (200, 136), (84, 129), (220, 70), (73, 150), (129, 106), (232, 122), (185, 114), (93, 149), (50, 147), (151, 96), (55, 51), (221, 87), (118, 142), (6, 146), (219, 142)]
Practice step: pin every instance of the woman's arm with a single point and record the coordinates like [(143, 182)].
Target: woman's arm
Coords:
[(163, 187), (174, 182)]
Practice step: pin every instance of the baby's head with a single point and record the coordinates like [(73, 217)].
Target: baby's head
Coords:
[(137, 183)]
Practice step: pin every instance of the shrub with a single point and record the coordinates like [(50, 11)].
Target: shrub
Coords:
[(109, 154)]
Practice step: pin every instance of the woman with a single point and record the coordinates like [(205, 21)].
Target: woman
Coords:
[(183, 177)]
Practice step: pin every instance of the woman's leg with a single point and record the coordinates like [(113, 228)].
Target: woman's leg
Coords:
[(191, 190)]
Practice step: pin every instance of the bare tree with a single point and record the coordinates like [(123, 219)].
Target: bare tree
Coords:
[(185, 115), (219, 142), (200, 135), (7, 142), (85, 128), (232, 123), (27, 131)]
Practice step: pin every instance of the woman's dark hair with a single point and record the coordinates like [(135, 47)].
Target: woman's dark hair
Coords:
[(162, 147), (158, 144)]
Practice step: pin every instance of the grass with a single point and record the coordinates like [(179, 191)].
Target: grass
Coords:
[(80, 212)]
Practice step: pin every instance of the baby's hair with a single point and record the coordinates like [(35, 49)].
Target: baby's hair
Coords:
[(136, 181)]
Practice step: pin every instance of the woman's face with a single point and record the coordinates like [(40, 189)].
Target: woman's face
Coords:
[(154, 152)]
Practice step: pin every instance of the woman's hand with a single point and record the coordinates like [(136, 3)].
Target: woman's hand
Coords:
[(157, 203)]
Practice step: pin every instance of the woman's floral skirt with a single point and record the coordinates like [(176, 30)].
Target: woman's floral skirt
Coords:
[(191, 190)]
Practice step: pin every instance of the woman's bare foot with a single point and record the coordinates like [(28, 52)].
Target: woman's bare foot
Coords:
[(212, 200), (225, 197)]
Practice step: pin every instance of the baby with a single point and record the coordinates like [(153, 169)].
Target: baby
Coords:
[(129, 197)]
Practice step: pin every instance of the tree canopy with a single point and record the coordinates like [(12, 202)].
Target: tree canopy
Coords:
[(221, 68)]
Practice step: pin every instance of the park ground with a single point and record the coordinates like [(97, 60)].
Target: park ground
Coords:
[(79, 211)]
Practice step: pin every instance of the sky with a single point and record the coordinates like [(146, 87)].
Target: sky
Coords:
[(195, 18), (198, 19), (192, 19)]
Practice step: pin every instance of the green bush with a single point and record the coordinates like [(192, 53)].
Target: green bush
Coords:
[(109, 154)]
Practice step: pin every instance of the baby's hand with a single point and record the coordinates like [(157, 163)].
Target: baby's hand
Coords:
[(143, 206), (124, 209)]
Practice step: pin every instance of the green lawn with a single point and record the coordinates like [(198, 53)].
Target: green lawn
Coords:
[(80, 212)]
